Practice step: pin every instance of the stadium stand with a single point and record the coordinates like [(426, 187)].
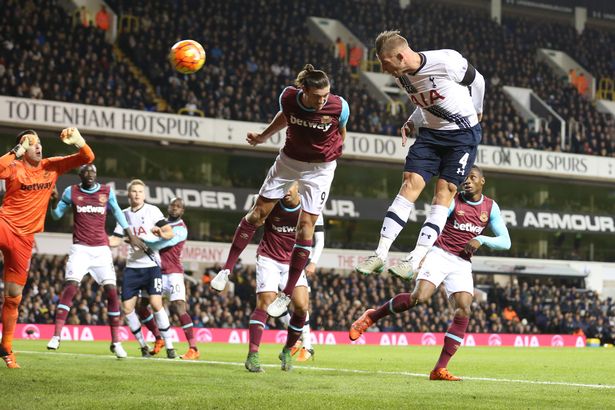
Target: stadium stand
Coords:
[(337, 299), (50, 58)]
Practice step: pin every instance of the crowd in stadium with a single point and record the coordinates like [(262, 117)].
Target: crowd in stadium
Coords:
[(338, 299), (245, 73)]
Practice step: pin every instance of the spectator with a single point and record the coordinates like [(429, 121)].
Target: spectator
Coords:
[(340, 48), (102, 19), (355, 58), (84, 16)]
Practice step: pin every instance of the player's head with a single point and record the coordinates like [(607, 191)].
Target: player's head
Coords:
[(392, 50), (34, 154), (87, 174), (474, 182), (291, 198), (136, 193), (176, 208), (315, 86)]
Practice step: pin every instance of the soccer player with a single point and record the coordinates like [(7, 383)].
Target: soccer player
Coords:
[(272, 271), (29, 180), (142, 272), (173, 285), (316, 129), (448, 93), (449, 262), (90, 251)]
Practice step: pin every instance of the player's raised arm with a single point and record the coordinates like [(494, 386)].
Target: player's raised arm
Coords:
[(58, 210), (72, 136), (461, 71), (16, 153), (276, 125)]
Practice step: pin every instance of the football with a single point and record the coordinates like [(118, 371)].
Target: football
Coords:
[(187, 56)]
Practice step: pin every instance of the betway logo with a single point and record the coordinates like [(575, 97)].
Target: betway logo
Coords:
[(284, 229), (89, 209), (36, 187), (467, 227), (310, 124)]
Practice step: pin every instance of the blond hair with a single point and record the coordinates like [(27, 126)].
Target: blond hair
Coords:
[(389, 40), (135, 182)]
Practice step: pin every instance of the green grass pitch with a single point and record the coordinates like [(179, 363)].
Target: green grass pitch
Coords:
[(84, 375)]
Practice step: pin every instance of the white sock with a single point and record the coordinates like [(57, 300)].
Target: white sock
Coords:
[(306, 337), (433, 226), (285, 319), (162, 320), (394, 221), (135, 327)]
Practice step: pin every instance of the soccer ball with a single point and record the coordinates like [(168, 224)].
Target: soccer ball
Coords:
[(187, 56)]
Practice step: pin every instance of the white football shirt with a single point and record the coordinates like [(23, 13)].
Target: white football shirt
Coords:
[(141, 223), (435, 90)]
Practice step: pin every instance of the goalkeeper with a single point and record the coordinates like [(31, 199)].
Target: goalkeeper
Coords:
[(29, 180)]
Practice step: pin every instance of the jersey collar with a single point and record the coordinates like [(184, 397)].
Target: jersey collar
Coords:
[(480, 201)]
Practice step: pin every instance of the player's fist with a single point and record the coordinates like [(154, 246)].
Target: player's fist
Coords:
[(254, 138), (406, 131), (72, 136), (25, 142), (472, 246), (310, 270)]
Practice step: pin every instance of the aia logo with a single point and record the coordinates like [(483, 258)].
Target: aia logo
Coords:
[(557, 341), (280, 337), (204, 335), (495, 340), (31, 332), (123, 334), (428, 339)]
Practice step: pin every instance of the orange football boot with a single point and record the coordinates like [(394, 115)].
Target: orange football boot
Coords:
[(10, 361), (191, 354), (158, 345), (296, 348), (305, 355), (443, 374), (360, 325)]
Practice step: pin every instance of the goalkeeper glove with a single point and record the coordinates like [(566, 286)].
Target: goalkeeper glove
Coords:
[(25, 143), (72, 136)]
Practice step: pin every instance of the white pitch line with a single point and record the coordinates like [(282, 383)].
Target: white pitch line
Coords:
[(328, 369)]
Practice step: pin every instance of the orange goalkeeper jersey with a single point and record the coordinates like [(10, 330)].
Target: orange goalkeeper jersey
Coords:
[(28, 188)]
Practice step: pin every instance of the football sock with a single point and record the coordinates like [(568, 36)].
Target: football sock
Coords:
[(147, 319), (306, 337), (400, 303), (241, 239), (298, 260), (295, 328), (433, 226), (113, 312), (187, 325), (452, 340), (257, 324), (285, 319), (135, 327), (162, 319), (66, 301), (394, 221), (10, 312)]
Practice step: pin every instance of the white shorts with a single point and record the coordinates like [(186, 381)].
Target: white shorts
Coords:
[(440, 266), (173, 286), (95, 260), (314, 179), (272, 276)]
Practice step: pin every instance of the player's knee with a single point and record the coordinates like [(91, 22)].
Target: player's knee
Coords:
[(257, 216), (420, 297), (463, 311)]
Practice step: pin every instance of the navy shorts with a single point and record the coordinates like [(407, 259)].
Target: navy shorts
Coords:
[(448, 154), (137, 279)]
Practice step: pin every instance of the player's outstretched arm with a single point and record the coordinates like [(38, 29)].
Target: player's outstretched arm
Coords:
[(180, 233), (163, 230), (276, 125), (72, 136), (17, 152)]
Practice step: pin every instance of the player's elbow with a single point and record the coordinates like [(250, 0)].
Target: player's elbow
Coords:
[(506, 243)]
